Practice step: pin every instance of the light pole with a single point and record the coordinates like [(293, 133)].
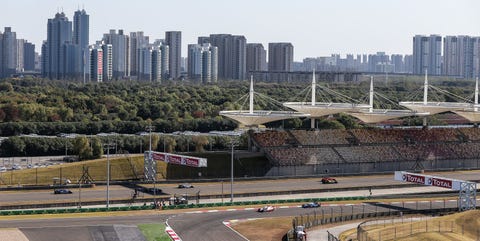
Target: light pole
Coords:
[(108, 146), (150, 128), (231, 173)]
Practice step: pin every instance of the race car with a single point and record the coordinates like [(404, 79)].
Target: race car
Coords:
[(311, 205), (266, 209), (329, 180)]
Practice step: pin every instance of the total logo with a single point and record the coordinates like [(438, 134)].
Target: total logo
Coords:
[(413, 178), (437, 182)]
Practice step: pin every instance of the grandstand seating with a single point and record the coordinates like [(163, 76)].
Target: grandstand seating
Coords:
[(271, 138), (379, 135), (368, 153), (316, 147), (321, 137), (302, 156), (472, 134)]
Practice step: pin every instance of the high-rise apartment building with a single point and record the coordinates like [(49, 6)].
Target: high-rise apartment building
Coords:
[(81, 35), (203, 63), (107, 54), (280, 57), (59, 32), (120, 53), (28, 56), (427, 54), (460, 56), (152, 62), (232, 55), (174, 41), (96, 63), (256, 57), (8, 52), (137, 41)]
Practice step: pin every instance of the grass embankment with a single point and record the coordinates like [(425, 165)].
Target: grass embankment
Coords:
[(131, 168), (154, 232), (121, 168)]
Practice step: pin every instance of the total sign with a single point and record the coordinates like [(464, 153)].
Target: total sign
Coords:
[(428, 180), (409, 177)]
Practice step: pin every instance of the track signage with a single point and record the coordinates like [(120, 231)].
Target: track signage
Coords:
[(428, 180), (178, 159)]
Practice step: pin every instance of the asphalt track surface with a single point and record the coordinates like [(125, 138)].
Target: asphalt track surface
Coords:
[(215, 188), (207, 224)]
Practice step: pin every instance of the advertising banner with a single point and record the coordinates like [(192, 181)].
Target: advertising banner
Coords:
[(178, 159), (428, 180)]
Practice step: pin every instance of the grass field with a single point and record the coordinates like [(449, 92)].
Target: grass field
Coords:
[(154, 232)]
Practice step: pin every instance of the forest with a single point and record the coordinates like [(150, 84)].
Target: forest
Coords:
[(53, 107)]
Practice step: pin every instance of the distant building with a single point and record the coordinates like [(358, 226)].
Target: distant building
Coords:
[(398, 63), (19, 58), (120, 53), (280, 56), (8, 51), (28, 56), (174, 41), (81, 28), (408, 63), (256, 57), (137, 41), (153, 62), (203, 63), (59, 32), (232, 51), (460, 56), (107, 50), (427, 54), (96, 63)]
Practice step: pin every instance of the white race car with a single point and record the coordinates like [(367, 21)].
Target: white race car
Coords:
[(266, 209)]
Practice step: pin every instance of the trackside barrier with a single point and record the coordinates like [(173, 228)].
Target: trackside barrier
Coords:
[(180, 206)]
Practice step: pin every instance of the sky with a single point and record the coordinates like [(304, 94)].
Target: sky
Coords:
[(314, 27)]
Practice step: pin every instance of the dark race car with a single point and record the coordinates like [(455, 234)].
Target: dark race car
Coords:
[(62, 191), (311, 205)]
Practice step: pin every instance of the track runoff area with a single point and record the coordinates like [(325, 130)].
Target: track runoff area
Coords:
[(467, 196)]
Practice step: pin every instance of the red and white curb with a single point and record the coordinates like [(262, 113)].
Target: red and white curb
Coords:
[(172, 234)]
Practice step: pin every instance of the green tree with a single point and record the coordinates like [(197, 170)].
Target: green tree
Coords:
[(200, 142), (97, 150), (82, 148)]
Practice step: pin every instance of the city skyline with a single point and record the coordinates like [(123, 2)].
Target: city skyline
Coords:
[(315, 28)]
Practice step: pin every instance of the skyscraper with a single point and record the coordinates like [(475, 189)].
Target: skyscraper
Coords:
[(120, 53), (232, 55), (59, 32), (81, 26), (427, 54), (174, 41), (460, 56), (256, 57), (280, 56), (8, 52)]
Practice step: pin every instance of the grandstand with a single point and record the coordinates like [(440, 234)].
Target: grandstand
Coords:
[(311, 152)]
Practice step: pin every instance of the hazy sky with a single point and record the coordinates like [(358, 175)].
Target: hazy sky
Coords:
[(314, 27)]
